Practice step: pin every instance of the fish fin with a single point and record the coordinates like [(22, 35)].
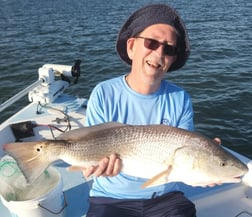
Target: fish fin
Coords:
[(30, 159), (77, 134), (158, 179)]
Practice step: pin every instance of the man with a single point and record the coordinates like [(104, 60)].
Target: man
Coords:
[(153, 41)]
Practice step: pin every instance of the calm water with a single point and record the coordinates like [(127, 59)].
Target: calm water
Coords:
[(217, 75)]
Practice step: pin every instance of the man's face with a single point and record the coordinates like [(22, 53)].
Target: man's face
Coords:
[(151, 63)]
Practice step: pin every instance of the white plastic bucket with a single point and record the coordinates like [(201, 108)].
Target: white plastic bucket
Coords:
[(48, 202)]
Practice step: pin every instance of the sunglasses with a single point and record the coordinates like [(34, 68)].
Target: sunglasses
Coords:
[(153, 44)]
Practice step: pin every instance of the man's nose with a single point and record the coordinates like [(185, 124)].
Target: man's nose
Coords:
[(160, 50)]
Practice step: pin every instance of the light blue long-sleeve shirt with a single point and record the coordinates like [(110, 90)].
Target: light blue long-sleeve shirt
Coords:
[(114, 100)]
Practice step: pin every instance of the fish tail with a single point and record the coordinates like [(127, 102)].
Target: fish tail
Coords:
[(30, 158)]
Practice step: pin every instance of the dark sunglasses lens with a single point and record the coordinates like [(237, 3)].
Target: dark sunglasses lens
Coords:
[(151, 44), (170, 50)]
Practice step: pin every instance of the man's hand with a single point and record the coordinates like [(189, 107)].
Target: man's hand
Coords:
[(217, 141), (108, 166)]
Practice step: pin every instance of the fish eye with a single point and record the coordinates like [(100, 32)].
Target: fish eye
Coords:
[(39, 148), (222, 164)]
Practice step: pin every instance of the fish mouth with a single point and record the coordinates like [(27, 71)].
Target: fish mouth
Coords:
[(236, 179)]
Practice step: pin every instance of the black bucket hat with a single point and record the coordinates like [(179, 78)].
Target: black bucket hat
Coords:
[(147, 16)]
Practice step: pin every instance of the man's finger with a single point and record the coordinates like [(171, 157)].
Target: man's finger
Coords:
[(99, 170), (111, 165), (217, 141), (117, 167), (89, 171), (75, 168)]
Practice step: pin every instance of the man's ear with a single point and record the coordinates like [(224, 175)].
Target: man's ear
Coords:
[(130, 47)]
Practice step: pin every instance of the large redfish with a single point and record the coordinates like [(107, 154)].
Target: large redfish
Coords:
[(159, 153)]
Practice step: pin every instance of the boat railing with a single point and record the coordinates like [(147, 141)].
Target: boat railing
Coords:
[(46, 89)]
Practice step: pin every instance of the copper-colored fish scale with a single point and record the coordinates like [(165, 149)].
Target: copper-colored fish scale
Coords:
[(140, 142)]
